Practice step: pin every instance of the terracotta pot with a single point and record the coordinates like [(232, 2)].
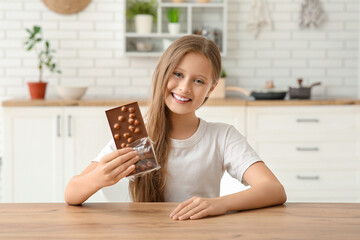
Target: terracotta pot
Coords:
[(37, 89)]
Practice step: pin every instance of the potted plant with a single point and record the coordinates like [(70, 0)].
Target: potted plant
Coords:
[(144, 13), (45, 56), (219, 91), (173, 18)]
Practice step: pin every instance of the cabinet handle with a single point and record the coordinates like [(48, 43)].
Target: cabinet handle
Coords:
[(58, 125), (316, 177), (301, 120), (69, 126), (304, 149)]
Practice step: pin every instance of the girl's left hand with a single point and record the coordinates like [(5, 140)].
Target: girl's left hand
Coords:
[(196, 207)]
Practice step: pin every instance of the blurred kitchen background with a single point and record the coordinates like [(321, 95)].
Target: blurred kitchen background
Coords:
[(91, 50)]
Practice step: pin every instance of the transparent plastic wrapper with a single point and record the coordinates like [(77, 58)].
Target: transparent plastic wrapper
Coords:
[(147, 161)]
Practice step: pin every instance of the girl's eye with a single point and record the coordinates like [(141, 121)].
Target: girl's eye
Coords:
[(177, 74), (199, 81)]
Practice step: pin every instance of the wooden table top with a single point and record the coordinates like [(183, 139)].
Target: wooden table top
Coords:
[(152, 221)]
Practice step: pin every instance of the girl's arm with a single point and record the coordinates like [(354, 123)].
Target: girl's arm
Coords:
[(266, 190), (111, 168)]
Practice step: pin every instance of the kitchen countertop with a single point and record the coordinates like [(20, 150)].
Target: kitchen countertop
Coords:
[(210, 102), (152, 221)]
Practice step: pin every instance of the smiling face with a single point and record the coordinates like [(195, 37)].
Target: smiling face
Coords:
[(189, 84)]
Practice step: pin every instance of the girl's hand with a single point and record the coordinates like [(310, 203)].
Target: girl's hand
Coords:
[(196, 207), (115, 166)]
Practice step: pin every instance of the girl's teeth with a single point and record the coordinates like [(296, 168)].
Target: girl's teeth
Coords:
[(180, 98)]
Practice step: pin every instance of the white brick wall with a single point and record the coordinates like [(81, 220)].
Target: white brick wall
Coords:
[(90, 49)]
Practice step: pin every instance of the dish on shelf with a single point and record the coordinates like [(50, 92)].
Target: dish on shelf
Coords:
[(144, 46), (71, 92)]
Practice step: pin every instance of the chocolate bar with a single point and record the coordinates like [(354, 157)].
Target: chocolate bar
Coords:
[(128, 130)]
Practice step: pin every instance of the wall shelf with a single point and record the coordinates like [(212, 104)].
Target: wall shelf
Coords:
[(207, 19)]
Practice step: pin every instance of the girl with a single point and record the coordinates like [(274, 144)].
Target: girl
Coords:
[(193, 153)]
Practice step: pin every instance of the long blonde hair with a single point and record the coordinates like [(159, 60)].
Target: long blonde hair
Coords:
[(150, 187)]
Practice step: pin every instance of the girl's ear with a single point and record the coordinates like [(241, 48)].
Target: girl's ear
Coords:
[(212, 88)]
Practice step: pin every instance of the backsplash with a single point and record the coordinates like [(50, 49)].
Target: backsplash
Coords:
[(90, 49)]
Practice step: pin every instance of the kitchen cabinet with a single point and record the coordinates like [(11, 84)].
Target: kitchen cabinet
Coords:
[(210, 17), (46, 146), (313, 150), (33, 162)]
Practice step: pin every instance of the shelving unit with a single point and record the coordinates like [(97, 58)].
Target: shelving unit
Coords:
[(210, 17)]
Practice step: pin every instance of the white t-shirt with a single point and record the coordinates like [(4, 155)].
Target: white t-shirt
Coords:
[(197, 164)]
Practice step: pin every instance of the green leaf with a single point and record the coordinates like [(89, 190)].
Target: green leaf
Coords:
[(173, 15), (37, 29)]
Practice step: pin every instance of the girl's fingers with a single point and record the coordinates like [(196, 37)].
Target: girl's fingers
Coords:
[(118, 161), (126, 172), (181, 206), (123, 167), (200, 214), (109, 157), (193, 212)]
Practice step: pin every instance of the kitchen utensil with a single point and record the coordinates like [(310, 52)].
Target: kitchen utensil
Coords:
[(301, 92), (266, 94)]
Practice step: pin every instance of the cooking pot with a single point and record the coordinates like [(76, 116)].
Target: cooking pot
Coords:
[(266, 94), (301, 92)]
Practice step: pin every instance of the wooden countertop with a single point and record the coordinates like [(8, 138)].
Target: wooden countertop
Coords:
[(210, 102), (151, 221)]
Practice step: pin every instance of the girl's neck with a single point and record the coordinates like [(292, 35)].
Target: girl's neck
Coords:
[(183, 125)]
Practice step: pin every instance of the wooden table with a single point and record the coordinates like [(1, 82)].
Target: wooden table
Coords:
[(151, 221)]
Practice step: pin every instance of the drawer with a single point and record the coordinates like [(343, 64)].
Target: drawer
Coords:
[(329, 146), (318, 179), (291, 120)]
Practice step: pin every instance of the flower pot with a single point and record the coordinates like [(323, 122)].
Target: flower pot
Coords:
[(219, 91), (174, 28), (37, 89), (204, 1), (143, 23)]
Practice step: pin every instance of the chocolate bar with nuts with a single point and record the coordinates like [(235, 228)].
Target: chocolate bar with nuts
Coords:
[(127, 126)]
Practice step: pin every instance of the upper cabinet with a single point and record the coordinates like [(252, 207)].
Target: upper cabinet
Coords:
[(175, 18)]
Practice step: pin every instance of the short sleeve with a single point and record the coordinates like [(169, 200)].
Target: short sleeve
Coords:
[(109, 148), (238, 154)]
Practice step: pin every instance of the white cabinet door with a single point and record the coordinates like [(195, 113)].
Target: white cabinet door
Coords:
[(33, 169)]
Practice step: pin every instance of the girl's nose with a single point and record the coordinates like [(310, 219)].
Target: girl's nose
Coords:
[(185, 85)]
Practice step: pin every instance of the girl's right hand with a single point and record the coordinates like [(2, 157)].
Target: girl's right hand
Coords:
[(115, 166)]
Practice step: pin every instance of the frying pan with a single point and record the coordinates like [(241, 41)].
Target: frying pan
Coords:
[(266, 94)]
